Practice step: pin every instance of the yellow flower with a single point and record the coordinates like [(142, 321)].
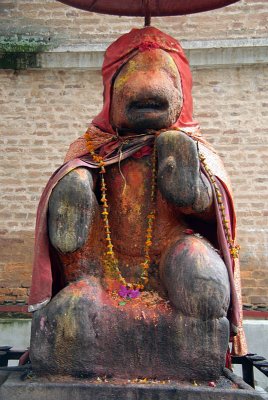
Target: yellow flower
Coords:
[(235, 251)]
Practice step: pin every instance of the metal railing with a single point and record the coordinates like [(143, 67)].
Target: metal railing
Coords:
[(248, 363)]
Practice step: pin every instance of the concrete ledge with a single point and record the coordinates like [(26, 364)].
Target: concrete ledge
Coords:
[(14, 388), (201, 54), (212, 53)]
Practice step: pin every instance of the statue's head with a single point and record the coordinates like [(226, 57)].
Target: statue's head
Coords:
[(146, 93), (147, 84)]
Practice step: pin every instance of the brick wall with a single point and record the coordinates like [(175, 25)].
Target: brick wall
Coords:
[(63, 24), (42, 111)]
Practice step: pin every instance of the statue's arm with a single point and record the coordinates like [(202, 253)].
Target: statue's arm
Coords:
[(71, 209), (180, 179)]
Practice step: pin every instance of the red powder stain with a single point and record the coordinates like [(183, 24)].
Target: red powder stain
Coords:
[(188, 231), (148, 46)]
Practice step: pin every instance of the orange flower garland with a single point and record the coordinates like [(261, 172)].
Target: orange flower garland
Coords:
[(110, 261)]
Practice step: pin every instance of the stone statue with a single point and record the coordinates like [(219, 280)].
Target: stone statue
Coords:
[(136, 269)]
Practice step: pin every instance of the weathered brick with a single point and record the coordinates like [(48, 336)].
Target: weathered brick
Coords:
[(258, 299), (43, 111)]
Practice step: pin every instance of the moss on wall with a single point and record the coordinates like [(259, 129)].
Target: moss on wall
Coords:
[(20, 52)]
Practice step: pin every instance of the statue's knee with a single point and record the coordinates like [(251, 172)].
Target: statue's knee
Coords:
[(196, 278), (72, 205)]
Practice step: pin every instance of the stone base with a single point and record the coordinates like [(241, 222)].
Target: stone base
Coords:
[(84, 332), (14, 388)]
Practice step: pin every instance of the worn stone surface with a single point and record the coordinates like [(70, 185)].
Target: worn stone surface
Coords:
[(196, 279), (147, 93), (179, 178), (15, 388), (83, 330), (72, 205)]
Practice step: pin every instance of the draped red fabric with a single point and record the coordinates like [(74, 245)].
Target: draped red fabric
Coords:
[(123, 49), (119, 53)]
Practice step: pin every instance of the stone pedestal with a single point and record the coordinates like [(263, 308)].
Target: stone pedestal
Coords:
[(14, 388), (83, 331)]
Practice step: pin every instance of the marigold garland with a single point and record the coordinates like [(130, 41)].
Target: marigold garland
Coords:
[(111, 265)]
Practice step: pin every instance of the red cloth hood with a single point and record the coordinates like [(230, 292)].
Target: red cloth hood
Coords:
[(123, 49)]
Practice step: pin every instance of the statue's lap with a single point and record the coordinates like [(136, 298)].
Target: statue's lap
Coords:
[(86, 330)]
